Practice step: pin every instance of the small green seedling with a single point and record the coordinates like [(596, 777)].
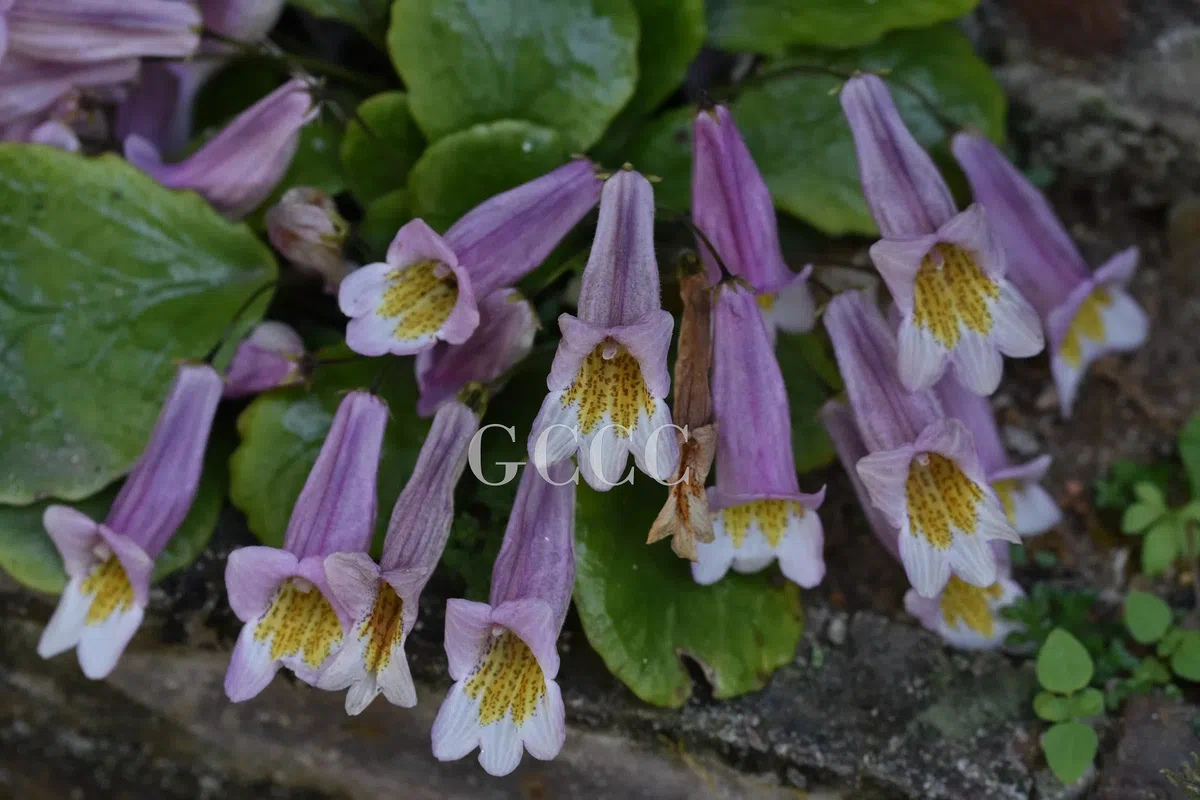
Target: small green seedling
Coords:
[(1169, 533), (1149, 621), (1064, 670)]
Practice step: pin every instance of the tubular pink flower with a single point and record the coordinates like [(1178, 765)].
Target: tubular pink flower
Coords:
[(242, 20), (307, 229), (503, 654), (269, 357), (609, 380), (758, 511), (1029, 508), (88, 31), (242, 164), (732, 205), (840, 424), (1086, 315), (922, 471), (945, 270), (158, 107), (109, 564), (291, 619), (382, 600), (30, 88), (965, 616), (507, 324), (426, 289)]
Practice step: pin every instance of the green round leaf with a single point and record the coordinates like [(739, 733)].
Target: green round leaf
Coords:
[(664, 148), (282, 432), (1063, 664), (1160, 548), (641, 609), (1140, 516), (770, 26), (27, 553), (383, 218), (381, 144), (1088, 703), (799, 138), (566, 64), (811, 377), (1150, 494), (109, 278), (1051, 707), (461, 171), (1070, 748), (1146, 616), (1185, 661)]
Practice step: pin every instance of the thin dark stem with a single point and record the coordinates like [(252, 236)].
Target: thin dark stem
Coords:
[(726, 274), (292, 62), (237, 317), (377, 384)]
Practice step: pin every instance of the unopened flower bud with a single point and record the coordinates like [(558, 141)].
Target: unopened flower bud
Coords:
[(307, 229)]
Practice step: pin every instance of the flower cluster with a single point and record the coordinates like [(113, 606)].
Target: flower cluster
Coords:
[(916, 433), (58, 57)]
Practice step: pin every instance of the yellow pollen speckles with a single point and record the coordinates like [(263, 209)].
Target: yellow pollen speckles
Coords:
[(110, 590), (612, 384), (383, 630), (1006, 490), (771, 516), (507, 678), (941, 499), (1088, 324), (421, 297), (300, 622), (766, 301), (953, 294), (962, 602)]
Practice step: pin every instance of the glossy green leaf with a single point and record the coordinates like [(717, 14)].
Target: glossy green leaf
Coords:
[(1189, 452), (795, 129), (1160, 547), (771, 26), (1168, 643), (107, 280), (811, 378), (1146, 616), (369, 16), (1185, 661), (1063, 664), (672, 34), (27, 553), (381, 144), (641, 610), (1051, 707), (462, 170), (282, 432), (382, 219), (1088, 703), (570, 65), (664, 148), (1070, 748)]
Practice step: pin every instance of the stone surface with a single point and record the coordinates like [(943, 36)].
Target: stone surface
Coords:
[(888, 715), (1155, 734)]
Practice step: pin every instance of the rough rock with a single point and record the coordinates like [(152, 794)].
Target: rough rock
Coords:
[(1155, 734)]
